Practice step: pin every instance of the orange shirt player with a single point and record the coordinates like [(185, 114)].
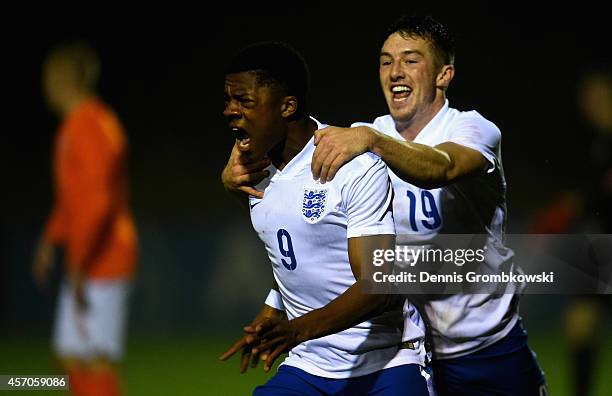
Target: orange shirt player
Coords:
[(91, 221)]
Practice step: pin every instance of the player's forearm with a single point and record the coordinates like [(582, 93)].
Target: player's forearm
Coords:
[(347, 310), (268, 312), (418, 164)]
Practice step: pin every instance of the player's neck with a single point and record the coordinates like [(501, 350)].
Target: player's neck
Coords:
[(74, 100), (298, 134), (409, 129)]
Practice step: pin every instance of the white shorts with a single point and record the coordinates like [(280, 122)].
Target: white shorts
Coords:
[(99, 331)]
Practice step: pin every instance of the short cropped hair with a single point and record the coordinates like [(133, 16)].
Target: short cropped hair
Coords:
[(277, 64), (84, 60), (429, 29)]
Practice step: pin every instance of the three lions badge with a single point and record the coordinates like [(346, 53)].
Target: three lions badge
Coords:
[(313, 204)]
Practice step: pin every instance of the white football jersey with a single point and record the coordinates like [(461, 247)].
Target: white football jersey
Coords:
[(305, 227), (460, 324)]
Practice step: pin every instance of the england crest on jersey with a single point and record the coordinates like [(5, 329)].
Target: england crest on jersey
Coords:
[(313, 205)]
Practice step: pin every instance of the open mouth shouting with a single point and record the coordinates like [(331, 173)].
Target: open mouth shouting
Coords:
[(243, 138), (240, 134), (400, 92)]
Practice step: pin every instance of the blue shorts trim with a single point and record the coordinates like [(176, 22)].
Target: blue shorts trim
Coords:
[(404, 380)]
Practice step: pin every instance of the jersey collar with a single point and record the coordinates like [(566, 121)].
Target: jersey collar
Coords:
[(431, 126)]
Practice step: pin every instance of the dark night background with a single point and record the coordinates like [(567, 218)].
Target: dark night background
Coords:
[(202, 268)]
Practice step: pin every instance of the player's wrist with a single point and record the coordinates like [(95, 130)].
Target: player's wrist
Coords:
[(229, 186), (227, 179), (303, 330)]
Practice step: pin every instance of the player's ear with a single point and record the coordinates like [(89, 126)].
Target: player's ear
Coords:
[(289, 106), (446, 74)]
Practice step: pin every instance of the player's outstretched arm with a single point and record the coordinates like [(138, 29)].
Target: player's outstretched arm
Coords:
[(241, 174), (419, 164), (247, 341), (349, 309)]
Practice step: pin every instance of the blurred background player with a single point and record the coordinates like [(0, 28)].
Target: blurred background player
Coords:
[(90, 220), (585, 209)]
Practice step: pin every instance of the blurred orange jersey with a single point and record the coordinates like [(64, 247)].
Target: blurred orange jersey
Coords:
[(91, 218)]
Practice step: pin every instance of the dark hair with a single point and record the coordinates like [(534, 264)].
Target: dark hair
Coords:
[(429, 29), (275, 63)]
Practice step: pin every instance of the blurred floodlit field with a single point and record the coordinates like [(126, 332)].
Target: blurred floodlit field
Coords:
[(188, 365)]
